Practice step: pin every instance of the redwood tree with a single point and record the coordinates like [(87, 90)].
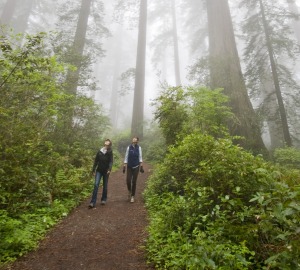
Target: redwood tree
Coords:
[(138, 101), (225, 72), (78, 45), (270, 56), (283, 117)]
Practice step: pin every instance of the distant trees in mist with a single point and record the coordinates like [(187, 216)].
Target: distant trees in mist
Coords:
[(181, 38)]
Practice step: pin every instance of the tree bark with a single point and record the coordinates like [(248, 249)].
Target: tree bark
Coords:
[(138, 100), (225, 72), (270, 109), (286, 133), (78, 46)]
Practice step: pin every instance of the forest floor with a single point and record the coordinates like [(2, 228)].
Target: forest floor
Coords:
[(105, 237)]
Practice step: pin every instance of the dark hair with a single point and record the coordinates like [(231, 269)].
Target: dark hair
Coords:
[(108, 140)]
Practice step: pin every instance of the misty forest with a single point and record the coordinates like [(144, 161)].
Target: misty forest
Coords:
[(210, 87)]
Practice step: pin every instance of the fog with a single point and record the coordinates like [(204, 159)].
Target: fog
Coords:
[(111, 43)]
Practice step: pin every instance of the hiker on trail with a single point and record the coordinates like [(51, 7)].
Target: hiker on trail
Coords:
[(101, 169), (134, 162)]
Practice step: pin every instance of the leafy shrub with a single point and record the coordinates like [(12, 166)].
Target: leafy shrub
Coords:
[(171, 112), (207, 162), (153, 144), (121, 141), (180, 111), (214, 206), (288, 156), (46, 156)]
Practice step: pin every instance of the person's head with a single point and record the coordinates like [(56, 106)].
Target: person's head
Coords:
[(107, 143), (135, 140)]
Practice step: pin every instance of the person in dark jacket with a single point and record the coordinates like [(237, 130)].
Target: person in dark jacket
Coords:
[(134, 162), (101, 169)]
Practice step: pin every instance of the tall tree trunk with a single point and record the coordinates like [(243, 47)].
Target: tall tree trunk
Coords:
[(270, 109), (286, 133), (225, 72), (175, 41), (269, 103), (8, 11), (138, 100), (78, 46)]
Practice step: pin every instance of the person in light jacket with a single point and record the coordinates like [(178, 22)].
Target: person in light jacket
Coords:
[(134, 162), (101, 169)]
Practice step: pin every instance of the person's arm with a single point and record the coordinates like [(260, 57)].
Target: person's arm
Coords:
[(141, 160), (126, 156), (140, 156), (95, 163), (111, 161), (125, 159)]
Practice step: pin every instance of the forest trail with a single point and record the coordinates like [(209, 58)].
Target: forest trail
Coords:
[(105, 237)]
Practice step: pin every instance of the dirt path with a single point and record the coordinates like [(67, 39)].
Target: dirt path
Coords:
[(106, 237)]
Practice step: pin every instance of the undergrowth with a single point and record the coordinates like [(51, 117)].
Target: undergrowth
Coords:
[(213, 205)]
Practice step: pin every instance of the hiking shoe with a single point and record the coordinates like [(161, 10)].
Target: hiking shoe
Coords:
[(103, 202), (132, 199), (91, 205)]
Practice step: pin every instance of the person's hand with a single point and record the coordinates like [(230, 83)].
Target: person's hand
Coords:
[(142, 169), (108, 172), (124, 169)]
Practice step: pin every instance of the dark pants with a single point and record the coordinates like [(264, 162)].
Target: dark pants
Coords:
[(131, 177)]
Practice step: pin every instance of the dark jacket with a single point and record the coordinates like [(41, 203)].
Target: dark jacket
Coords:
[(103, 161)]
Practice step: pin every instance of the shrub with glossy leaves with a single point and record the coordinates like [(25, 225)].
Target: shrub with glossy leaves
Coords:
[(213, 205), (218, 164)]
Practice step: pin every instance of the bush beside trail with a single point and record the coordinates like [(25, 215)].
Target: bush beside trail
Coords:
[(213, 205)]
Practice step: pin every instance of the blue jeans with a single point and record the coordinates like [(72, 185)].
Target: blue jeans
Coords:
[(96, 187)]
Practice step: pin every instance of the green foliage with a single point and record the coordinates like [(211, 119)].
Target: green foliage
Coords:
[(45, 162), (272, 39), (177, 239), (214, 206), (278, 226), (154, 151), (289, 157), (21, 235), (182, 111), (154, 145), (121, 141), (209, 112), (171, 112), (208, 162), (68, 12)]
